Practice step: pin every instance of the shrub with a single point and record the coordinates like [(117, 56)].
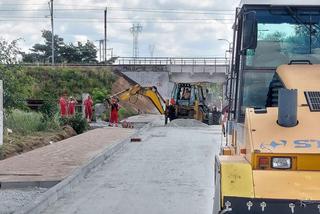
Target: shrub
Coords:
[(99, 95), (25, 122), (77, 122), (49, 109)]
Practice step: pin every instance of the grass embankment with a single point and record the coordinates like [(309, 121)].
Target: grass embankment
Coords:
[(52, 82), (25, 131), (32, 130)]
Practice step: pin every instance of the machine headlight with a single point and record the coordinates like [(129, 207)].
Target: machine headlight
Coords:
[(281, 163)]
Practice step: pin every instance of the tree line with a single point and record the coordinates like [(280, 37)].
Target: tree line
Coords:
[(64, 53)]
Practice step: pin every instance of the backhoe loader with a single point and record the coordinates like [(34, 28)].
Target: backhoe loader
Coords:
[(270, 162), (149, 92), (187, 99), (190, 103)]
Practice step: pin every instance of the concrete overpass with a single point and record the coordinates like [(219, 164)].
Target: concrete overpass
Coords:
[(203, 69), (163, 71)]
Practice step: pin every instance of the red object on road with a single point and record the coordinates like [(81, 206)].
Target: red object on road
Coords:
[(63, 106), (88, 103)]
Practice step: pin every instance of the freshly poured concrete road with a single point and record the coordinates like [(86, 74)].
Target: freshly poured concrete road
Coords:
[(169, 172)]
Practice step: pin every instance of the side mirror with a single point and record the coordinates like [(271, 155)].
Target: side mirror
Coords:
[(250, 31)]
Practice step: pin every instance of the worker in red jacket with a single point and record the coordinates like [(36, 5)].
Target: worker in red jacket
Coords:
[(88, 103), (63, 105), (72, 106), (114, 117)]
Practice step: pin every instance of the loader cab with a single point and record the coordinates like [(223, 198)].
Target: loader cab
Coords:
[(185, 94), (265, 37), (188, 98)]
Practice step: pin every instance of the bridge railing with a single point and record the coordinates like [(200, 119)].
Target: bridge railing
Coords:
[(214, 61)]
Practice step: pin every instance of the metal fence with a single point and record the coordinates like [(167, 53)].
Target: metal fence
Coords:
[(213, 61)]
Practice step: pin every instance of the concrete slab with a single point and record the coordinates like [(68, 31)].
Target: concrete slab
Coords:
[(48, 165), (171, 171)]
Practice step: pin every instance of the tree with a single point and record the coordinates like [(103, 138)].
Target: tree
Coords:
[(15, 84), (70, 54), (9, 51), (88, 52), (82, 53), (64, 53), (43, 52)]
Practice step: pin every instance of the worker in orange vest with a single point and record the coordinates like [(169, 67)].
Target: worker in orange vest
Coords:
[(63, 102), (72, 106), (114, 116), (88, 103)]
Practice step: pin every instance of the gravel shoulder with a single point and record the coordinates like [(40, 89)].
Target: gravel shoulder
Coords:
[(14, 199)]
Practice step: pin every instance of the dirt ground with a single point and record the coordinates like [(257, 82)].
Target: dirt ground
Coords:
[(15, 144)]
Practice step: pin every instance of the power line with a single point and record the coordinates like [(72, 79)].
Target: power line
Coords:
[(119, 18), (114, 22), (120, 8), (169, 10), (99, 10), (218, 12)]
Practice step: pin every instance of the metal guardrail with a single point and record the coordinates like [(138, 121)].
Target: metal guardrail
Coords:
[(193, 61), (208, 61)]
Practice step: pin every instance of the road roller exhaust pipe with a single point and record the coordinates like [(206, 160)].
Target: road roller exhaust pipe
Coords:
[(288, 108)]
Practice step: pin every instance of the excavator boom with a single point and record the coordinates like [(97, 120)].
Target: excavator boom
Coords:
[(149, 92)]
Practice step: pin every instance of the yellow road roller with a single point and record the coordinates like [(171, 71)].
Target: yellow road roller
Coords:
[(270, 162)]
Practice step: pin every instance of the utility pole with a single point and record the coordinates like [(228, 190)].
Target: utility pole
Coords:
[(136, 29), (105, 34), (52, 31)]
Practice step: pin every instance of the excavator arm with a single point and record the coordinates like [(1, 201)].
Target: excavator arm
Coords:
[(149, 92)]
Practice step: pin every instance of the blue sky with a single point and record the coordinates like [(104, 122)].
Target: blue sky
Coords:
[(204, 22)]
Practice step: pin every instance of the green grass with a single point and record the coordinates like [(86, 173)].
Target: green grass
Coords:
[(25, 122)]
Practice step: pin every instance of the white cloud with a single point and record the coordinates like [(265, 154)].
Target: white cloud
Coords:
[(199, 38)]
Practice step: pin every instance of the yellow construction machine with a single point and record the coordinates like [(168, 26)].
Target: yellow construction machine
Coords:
[(270, 163), (190, 103), (149, 92), (187, 101)]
